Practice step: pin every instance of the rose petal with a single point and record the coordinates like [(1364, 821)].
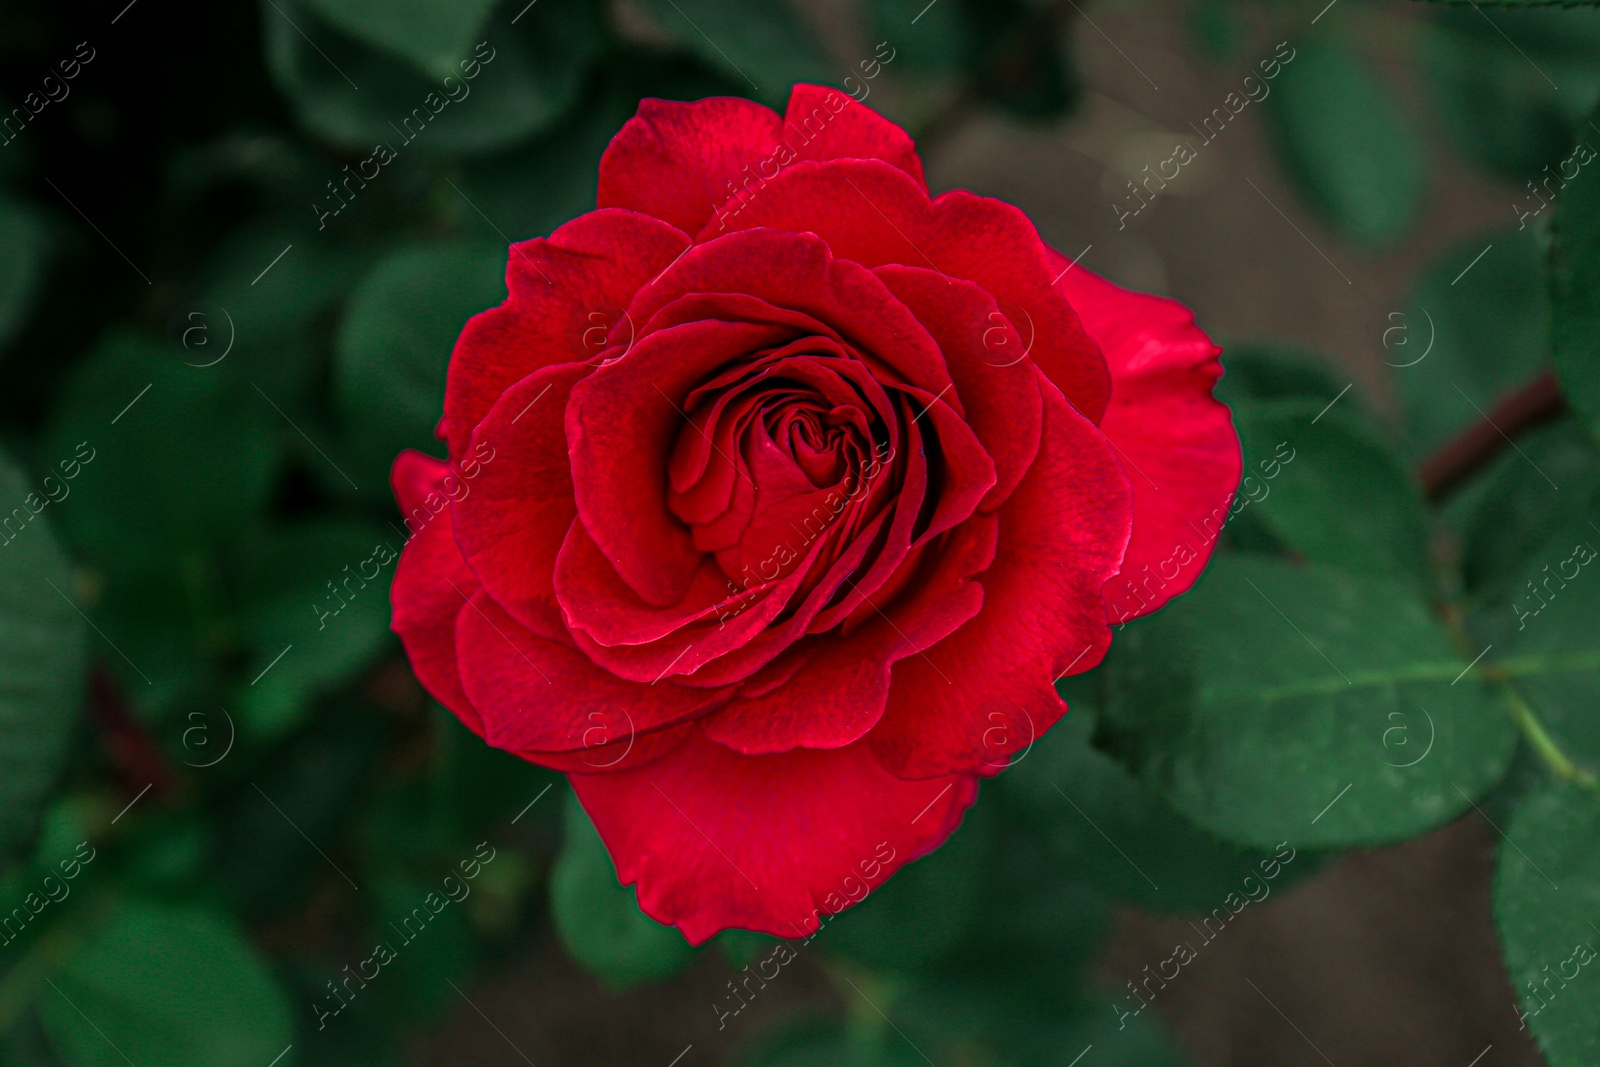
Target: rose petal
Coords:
[(615, 747), (714, 839), (757, 645), (537, 695), (800, 275), (844, 688), (874, 214), (1177, 442), (567, 298), (962, 479), (993, 379), (515, 516), (821, 126), (966, 473), (636, 641), (430, 570), (682, 161), (622, 422), (1062, 534)]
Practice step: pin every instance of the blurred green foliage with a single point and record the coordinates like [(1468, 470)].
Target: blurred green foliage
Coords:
[(232, 264), (1348, 143)]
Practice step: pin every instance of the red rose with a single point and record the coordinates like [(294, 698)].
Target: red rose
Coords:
[(781, 493)]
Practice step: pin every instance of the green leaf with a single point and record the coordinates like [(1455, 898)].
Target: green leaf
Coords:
[(763, 47), (1036, 927), (598, 919), (922, 913), (1575, 282), (532, 189), (1478, 327), (275, 333), (314, 610), (286, 827), (948, 1019), (1541, 628), (22, 252), (42, 657), (162, 984), (1519, 513), (1303, 704), (918, 39), (522, 80), (476, 784), (1214, 26), (433, 34), (1498, 94), (170, 623), (964, 1022), (740, 947), (1521, 3), (404, 828), (1112, 831), (394, 344), (812, 1044), (1254, 370), (175, 460), (1341, 498), (1270, 371), (1546, 898), (433, 947), (166, 852), (1349, 145)]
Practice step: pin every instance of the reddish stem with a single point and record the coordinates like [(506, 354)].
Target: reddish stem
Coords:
[(138, 762), (1540, 400)]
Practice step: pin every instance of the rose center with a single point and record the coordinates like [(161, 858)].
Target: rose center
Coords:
[(772, 474)]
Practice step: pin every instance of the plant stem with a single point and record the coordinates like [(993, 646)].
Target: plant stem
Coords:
[(1538, 400), (1526, 719), (1545, 746)]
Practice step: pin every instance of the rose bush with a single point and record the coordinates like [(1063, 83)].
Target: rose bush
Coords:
[(781, 492)]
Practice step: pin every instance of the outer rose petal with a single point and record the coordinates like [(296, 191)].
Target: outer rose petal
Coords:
[(424, 600), (511, 522), (818, 126), (874, 215), (716, 840), (537, 694), (568, 293), (1178, 443), (1062, 535), (681, 162), (615, 748)]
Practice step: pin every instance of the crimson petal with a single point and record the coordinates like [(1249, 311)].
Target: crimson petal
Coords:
[(1177, 442), (424, 593), (1062, 535), (874, 214), (567, 298), (775, 843), (537, 694)]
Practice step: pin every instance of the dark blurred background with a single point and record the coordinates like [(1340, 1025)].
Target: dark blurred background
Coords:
[(244, 339)]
